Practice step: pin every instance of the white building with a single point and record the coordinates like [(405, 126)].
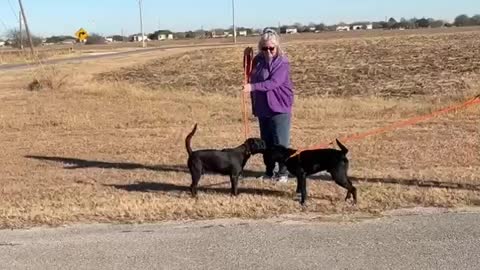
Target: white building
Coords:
[(343, 28), (291, 31), (217, 34), (242, 33), (165, 36), (139, 37), (68, 41)]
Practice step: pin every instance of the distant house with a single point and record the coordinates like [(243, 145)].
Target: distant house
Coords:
[(291, 30), (217, 34), (343, 28), (243, 33), (2, 43), (362, 26), (109, 39), (357, 27), (165, 36), (200, 34), (138, 37), (69, 41)]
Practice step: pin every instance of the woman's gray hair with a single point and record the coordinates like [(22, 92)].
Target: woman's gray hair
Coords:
[(272, 36)]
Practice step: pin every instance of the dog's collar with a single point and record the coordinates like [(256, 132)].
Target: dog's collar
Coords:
[(247, 150)]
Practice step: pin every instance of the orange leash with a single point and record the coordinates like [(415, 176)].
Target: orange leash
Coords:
[(247, 70), (407, 122)]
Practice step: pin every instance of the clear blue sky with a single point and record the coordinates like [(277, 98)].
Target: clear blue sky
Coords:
[(55, 17)]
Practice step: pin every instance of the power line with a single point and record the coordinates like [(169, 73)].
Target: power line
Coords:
[(4, 25), (13, 10), (26, 26), (141, 23), (233, 19)]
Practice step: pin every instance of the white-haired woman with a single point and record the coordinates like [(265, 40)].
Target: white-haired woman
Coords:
[(272, 97)]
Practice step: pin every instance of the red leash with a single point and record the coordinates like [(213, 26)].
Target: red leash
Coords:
[(247, 71), (408, 122)]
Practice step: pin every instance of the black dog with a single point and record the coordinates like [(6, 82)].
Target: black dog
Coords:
[(225, 162), (313, 161)]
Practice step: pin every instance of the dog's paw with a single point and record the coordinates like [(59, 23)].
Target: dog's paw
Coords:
[(351, 196), (352, 201), (304, 206)]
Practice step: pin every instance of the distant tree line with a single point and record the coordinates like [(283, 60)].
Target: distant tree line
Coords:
[(58, 39), (464, 20), (13, 37)]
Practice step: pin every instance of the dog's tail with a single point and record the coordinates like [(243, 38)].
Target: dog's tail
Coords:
[(189, 138), (342, 147)]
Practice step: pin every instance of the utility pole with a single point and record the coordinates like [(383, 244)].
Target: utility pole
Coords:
[(21, 30), (233, 18), (141, 23), (26, 26)]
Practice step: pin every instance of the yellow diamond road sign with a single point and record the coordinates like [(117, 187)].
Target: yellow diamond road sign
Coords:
[(81, 34)]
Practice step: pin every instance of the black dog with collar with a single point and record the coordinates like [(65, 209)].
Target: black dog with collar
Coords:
[(313, 161), (228, 161)]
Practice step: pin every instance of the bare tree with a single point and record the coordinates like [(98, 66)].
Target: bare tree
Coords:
[(475, 19), (16, 38), (462, 20), (95, 39)]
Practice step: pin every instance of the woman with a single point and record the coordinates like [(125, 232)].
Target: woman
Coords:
[(272, 97)]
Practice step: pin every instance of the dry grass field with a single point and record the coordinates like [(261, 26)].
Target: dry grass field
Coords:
[(11, 56), (14, 56), (103, 141)]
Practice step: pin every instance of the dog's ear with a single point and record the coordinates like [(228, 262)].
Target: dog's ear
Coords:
[(279, 152), (248, 146), (291, 151), (280, 148), (261, 144), (256, 145)]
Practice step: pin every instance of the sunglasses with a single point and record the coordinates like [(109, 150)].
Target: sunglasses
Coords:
[(269, 31), (271, 49)]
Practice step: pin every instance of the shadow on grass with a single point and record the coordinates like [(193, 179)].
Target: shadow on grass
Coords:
[(169, 187), (75, 163)]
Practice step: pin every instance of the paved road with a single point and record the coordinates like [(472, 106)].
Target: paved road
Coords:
[(440, 241), (79, 59)]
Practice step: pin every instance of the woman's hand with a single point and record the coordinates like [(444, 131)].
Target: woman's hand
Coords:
[(247, 88)]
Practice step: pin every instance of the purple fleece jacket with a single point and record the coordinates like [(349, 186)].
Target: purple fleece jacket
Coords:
[(272, 87)]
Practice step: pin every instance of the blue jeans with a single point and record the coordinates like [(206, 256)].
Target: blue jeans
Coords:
[(275, 130)]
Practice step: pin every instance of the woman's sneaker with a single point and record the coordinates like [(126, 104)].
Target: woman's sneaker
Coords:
[(282, 179), (266, 177)]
